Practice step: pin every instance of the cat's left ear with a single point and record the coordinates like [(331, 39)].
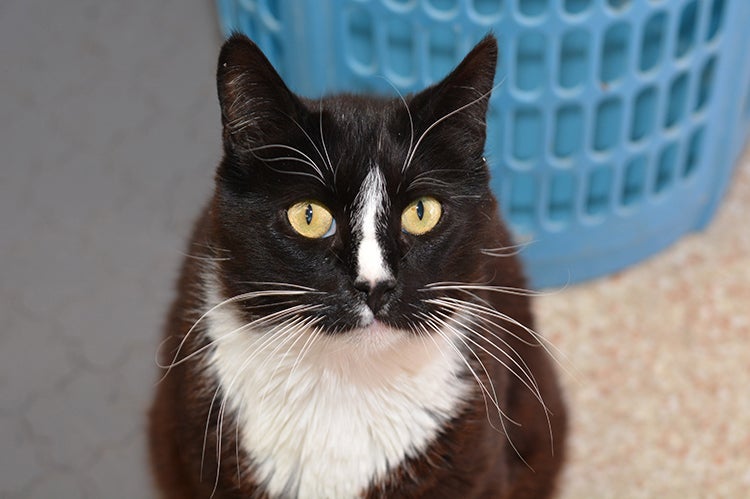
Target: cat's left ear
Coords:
[(461, 99), (256, 105)]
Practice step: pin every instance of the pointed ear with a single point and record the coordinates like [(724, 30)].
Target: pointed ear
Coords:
[(461, 99), (256, 105)]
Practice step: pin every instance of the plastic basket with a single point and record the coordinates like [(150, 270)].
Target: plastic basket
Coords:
[(614, 131)]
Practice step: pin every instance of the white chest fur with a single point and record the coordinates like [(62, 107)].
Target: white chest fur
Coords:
[(321, 416)]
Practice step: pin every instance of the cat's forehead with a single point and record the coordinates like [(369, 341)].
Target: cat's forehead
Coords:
[(361, 122), (355, 108), (357, 134)]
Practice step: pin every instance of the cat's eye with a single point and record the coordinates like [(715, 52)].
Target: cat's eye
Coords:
[(311, 219), (421, 216)]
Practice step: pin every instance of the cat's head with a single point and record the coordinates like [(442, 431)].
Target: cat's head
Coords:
[(352, 210)]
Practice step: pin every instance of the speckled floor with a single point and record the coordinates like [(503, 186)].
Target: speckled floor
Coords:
[(660, 367), (109, 131)]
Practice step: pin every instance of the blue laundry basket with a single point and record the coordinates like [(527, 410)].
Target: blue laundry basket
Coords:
[(614, 131)]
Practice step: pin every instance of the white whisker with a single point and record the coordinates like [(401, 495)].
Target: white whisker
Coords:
[(435, 323), (530, 384), (533, 387), (411, 122), (205, 258), (238, 298), (305, 159), (305, 348), (296, 325), (298, 332), (322, 139), (502, 416), (265, 284), (520, 362), (264, 320), (410, 157), (213, 401), (293, 172), (459, 286), (481, 312), (505, 251), (266, 340), (312, 142)]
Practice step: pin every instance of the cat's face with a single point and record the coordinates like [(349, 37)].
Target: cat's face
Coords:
[(349, 210)]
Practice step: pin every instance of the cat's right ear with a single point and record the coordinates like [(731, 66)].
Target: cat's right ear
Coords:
[(256, 105)]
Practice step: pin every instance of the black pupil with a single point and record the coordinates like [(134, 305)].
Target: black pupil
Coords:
[(420, 209), (309, 214)]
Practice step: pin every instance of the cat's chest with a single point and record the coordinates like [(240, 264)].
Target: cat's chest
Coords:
[(321, 420)]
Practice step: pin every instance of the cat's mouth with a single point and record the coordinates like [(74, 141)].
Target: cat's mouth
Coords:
[(377, 324), (367, 317), (380, 330)]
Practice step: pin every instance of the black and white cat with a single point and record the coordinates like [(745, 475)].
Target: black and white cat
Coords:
[(350, 321)]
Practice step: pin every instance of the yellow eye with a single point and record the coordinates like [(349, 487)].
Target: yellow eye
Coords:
[(421, 216), (311, 219)]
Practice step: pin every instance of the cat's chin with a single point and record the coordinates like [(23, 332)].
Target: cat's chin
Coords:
[(378, 353), (375, 336)]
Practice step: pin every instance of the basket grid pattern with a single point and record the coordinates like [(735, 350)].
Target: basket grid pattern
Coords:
[(604, 112)]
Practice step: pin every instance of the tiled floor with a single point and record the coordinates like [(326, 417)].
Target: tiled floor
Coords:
[(109, 131)]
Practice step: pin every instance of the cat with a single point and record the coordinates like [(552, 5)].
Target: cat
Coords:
[(351, 319)]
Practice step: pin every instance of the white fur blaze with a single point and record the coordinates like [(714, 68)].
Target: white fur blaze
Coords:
[(370, 204)]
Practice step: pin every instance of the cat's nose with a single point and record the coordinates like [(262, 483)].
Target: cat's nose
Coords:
[(376, 293)]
